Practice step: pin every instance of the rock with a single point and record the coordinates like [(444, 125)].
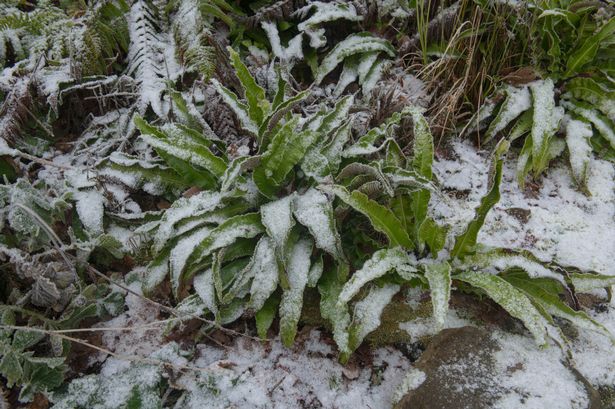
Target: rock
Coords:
[(472, 368)]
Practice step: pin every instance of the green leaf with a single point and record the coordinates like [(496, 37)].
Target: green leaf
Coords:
[(422, 163), (246, 225), (286, 149), (586, 52), (264, 271), (264, 317), (517, 101), (381, 262), (23, 339), (439, 278), (381, 218), (10, 368), (315, 211), (258, 105), (578, 134), (277, 217), (554, 306), (351, 45), (330, 287), (588, 282), (514, 301), (298, 267), (545, 123), (182, 143), (366, 144), (434, 235), (603, 124), (466, 242), (239, 108)]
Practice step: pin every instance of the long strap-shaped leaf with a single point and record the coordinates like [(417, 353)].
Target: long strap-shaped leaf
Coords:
[(465, 242), (439, 278), (587, 51), (514, 301), (285, 151), (381, 218), (381, 262), (258, 105)]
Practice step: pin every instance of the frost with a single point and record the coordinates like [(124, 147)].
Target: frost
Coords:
[(517, 101), (314, 210), (204, 287), (351, 45)]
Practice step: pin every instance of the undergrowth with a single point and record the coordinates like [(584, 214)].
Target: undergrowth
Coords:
[(221, 159)]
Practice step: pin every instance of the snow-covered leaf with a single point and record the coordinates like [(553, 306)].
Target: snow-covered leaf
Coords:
[(514, 301), (439, 278), (578, 134), (353, 44), (381, 262), (315, 211), (381, 218), (297, 269)]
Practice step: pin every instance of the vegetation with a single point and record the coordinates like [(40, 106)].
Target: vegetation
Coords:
[(222, 158)]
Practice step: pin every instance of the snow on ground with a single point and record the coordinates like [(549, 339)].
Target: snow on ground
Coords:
[(271, 376), (556, 222)]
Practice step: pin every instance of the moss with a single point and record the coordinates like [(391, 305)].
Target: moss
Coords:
[(388, 333)]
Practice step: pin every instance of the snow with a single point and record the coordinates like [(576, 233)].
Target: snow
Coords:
[(367, 312), (578, 134), (563, 224), (250, 375), (264, 268)]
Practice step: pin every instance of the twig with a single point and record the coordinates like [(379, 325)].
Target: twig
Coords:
[(149, 361)]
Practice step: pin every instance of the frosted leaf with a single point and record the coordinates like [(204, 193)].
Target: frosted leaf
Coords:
[(182, 251), (517, 101), (349, 74), (367, 312), (439, 278), (578, 134), (324, 12), (314, 210), (285, 54), (497, 261), (183, 208), (277, 217), (372, 78), (264, 269), (155, 274), (381, 262), (90, 208), (514, 301), (204, 287), (239, 108), (588, 282), (600, 122), (298, 266), (545, 121), (351, 45), (315, 272)]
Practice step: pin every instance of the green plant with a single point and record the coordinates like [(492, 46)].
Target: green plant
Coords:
[(271, 227), (575, 98)]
